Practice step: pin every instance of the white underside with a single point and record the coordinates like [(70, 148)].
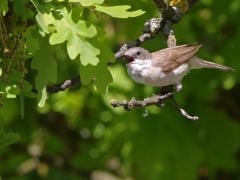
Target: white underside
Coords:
[(142, 72)]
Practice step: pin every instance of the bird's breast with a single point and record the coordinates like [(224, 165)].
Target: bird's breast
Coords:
[(154, 76)]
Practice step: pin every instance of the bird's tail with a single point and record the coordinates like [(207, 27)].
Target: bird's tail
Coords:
[(197, 63)]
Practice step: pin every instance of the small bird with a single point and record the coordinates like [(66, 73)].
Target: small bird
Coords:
[(167, 66)]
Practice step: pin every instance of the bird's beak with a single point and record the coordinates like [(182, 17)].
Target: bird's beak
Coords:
[(129, 59)]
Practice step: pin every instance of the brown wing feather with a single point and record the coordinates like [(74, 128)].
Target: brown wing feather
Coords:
[(170, 58)]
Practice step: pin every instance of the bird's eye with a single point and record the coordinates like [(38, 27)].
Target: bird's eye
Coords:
[(138, 53)]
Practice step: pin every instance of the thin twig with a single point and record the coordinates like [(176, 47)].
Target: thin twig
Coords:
[(133, 103), (184, 113), (63, 86), (157, 100)]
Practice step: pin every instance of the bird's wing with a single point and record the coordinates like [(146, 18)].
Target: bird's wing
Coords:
[(170, 58)]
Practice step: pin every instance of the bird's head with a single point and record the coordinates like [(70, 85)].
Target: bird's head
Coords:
[(136, 53)]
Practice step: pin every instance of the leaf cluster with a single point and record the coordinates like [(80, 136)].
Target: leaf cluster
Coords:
[(49, 28)]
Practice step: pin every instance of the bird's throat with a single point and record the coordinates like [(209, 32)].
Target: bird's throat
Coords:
[(129, 59)]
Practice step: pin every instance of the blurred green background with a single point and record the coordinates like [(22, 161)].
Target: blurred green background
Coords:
[(77, 135)]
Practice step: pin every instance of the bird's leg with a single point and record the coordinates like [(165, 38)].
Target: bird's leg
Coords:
[(167, 91), (162, 93)]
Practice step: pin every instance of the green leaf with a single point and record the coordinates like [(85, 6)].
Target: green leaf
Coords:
[(75, 34), (99, 72), (100, 31), (43, 97), (29, 94), (77, 14), (88, 2), (119, 11), (12, 91), (60, 52), (32, 44), (3, 85), (44, 17), (27, 90), (8, 139), (9, 89), (26, 86), (106, 55), (43, 6), (4, 6), (44, 20), (15, 76), (47, 69), (20, 9)]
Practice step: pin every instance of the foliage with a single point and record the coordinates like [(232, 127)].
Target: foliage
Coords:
[(75, 134), (10, 138), (56, 22)]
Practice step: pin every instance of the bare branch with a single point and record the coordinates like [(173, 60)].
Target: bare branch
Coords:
[(166, 10), (133, 103), (63, 86), (119, 54), (154, 100), (158, 100), (150, 30)]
